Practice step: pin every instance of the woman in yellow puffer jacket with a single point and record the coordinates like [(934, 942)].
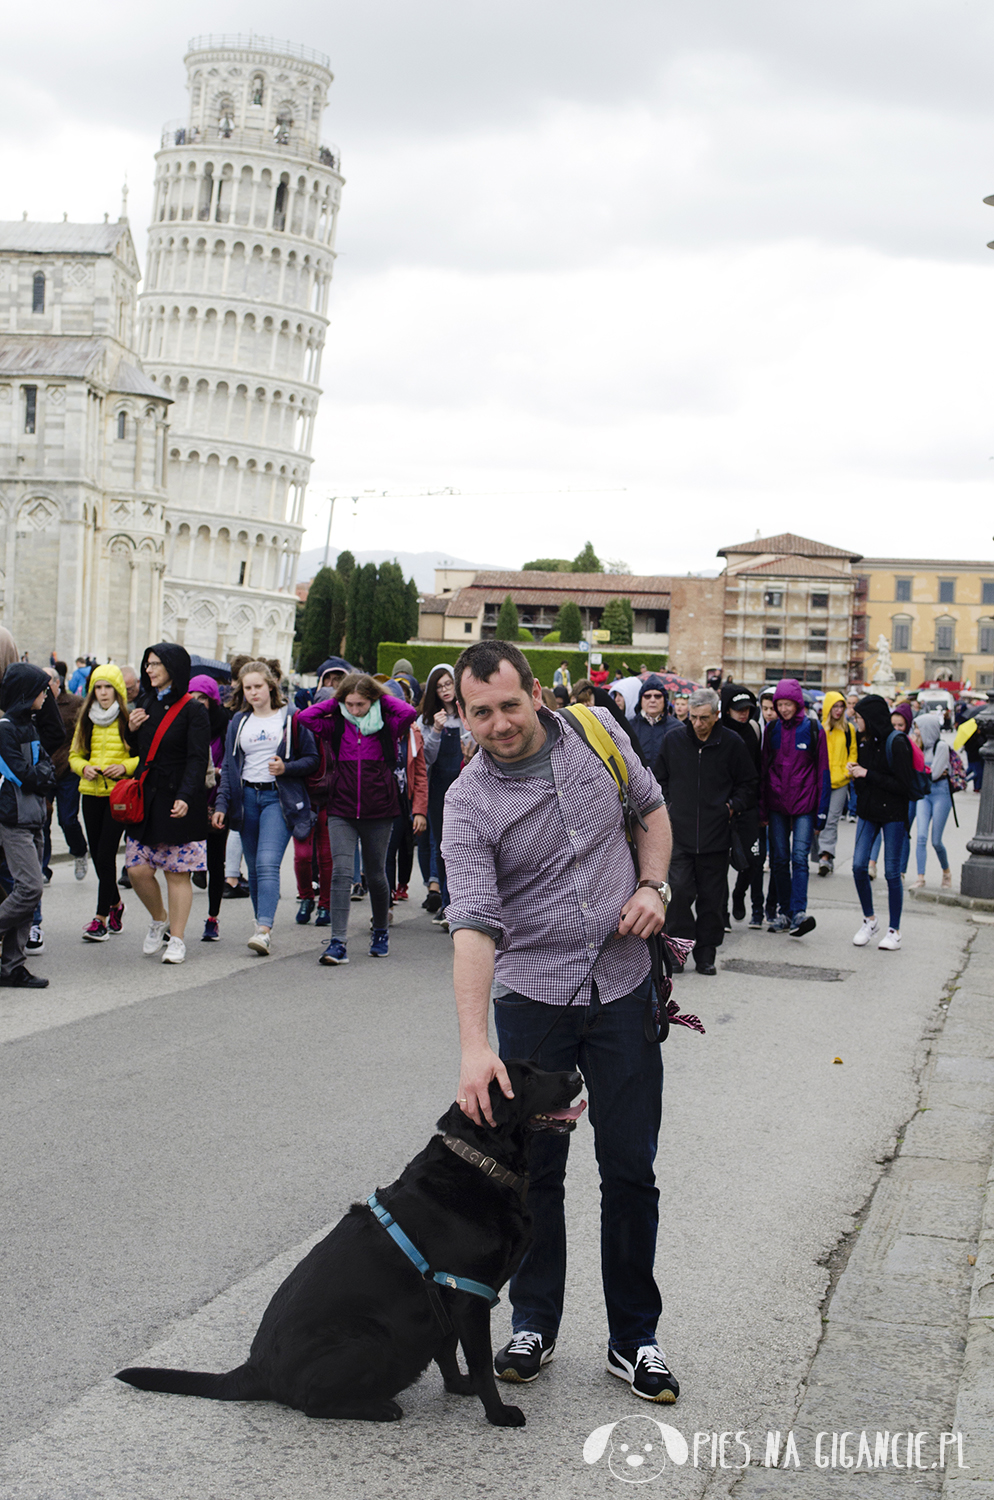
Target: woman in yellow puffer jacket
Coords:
[(841, 741), (100, 755)]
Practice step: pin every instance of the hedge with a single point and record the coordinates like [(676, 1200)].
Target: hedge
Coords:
[(543, 661)]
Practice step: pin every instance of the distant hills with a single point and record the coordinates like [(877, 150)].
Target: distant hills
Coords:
[(417, 565)]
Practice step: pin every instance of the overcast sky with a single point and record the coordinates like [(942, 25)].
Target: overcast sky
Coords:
[(716, 266)]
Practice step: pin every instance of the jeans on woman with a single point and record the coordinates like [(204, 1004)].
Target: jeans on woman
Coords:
[(373, 836), (905, 848), (894, 835), (936, 808), (264, 840), (790, 844)]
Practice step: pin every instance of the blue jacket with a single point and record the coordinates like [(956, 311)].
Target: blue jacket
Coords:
[(291, 786)]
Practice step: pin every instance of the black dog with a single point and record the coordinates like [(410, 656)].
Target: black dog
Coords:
[(355, 1322)]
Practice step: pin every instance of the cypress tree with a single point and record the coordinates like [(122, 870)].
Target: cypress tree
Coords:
[(569, 623), (359, 646), (619, 618), (507, 620), (412, 611), (337, 615), (317, 621), (391, 607), (587, 561)]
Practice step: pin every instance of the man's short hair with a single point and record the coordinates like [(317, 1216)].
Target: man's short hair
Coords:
[(484, 658), (705, 698), (767, 696)]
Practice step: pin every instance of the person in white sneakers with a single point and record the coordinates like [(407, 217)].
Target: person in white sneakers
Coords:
[(882, 774)]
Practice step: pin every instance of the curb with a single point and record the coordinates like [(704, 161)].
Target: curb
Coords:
[(950, 898)]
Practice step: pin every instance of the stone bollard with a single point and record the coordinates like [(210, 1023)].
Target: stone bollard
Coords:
[(977, 876)]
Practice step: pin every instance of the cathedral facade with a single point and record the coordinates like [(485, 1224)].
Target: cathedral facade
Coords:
[(233, 315)]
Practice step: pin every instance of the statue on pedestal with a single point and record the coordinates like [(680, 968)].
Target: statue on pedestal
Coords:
[(883, 680)]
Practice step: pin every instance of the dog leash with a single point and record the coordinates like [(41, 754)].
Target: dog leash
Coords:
[(432, 1279)]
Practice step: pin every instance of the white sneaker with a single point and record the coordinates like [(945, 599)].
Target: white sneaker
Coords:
[(36, 941), (891, 941), (81, 867), (259, 942), (869, 929), (155, 937), (175, 951)]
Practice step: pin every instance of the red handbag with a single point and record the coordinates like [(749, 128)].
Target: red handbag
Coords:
[(127, 800)]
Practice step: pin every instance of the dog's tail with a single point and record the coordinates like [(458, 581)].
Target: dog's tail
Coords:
[(242, 1384)]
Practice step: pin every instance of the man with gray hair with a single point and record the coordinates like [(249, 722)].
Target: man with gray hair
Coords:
[(707, 777)]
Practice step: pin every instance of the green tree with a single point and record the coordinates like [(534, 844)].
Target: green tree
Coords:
[(507, 620), (359, 644), (619, 618), (345, 567), (390, 608), (339, 615), (413, 611), (569, 622), (586, 561), (315, 628), (548, 565)]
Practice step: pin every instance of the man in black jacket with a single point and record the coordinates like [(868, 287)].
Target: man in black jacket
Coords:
[(707, 777), (27, 778)]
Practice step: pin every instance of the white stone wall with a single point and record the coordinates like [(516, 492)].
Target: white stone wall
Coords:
[(233, 323)]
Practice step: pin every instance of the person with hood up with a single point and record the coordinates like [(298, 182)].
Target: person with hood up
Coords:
[(172, 835), (740, 715), (362, 728), (330, 674), (205, 689), (100, 755), (625, 692), (650, 722), (27, 779), (840, 737), (937, 804), (794, 794), (883, 775)]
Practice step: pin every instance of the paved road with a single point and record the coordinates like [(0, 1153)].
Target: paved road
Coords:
[(174, 1139)]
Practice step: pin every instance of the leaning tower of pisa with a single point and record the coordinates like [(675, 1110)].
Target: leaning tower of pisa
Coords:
[(233, 320)]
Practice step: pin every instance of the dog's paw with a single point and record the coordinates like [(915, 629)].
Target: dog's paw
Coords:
[(389, 1411), (461, 1385), (507, 1416)]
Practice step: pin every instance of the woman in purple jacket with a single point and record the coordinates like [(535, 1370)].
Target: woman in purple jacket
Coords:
[(794, 791), (361, 727)]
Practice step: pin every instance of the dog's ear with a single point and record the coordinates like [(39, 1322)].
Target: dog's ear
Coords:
[(452, 1121), (594, 1447)]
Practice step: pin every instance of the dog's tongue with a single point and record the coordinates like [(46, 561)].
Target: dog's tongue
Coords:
[(573, 1113)]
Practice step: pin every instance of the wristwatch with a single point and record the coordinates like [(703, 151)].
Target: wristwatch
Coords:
[(657, 885)]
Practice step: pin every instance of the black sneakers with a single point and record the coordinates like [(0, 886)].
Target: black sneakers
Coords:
[(646, 1372), (21, 979), (523, 1357), (802, 924)]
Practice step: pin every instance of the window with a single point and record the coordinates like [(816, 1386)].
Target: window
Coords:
[(468, 627), (985, 679), (774, 599), (947, 591), (902, 590), (945, 635), (773, 641), (30, 407), (38, 293), (257, 89), (819, 601), (818, 640), (241, 573), (987, 591), (122, 424), (902, 676), (985, 638), (900, 639)]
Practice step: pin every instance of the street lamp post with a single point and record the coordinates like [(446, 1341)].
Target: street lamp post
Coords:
[(977, 877)]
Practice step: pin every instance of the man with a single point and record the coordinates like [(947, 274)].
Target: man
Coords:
[(81, 676), (650, 722), (66, 781), (740, 715), (24, 692), (544, 901), (707, 777), (766, 708), (681, 705), (561, 677), (840, 738), (131, 684), (793, 798), (330, 674)]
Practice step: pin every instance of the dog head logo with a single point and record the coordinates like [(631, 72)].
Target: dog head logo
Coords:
[(637, 1448)]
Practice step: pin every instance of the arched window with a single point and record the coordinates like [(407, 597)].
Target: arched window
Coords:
[(38, 292), (284, 124), (900, 633), (945, 634), (122, 424), (985, 637), (258, 89), (225, 117)]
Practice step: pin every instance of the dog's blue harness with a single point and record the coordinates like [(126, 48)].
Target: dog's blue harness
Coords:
[(441, 1278)]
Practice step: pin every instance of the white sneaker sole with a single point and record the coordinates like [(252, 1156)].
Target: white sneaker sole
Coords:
[(514, 1378), (862, 939), (665, 1398)]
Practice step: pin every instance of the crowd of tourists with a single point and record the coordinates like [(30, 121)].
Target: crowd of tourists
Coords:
[(205, 781)]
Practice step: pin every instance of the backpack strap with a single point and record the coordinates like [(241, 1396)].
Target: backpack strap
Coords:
[(590, 729)]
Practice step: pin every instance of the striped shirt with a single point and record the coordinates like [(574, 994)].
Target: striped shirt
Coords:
[(544, 867)]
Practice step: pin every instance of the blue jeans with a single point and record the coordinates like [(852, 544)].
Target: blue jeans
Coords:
[(894, 835), (264, 840), (789, 859), (624, 1078), (936, 808), (905, 847)]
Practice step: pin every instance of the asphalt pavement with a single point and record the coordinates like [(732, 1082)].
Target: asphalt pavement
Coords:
[(176, 1138)]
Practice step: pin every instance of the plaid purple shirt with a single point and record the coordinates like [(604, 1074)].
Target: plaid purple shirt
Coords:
[(545, 868)]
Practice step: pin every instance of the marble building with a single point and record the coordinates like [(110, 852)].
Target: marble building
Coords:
[(233, 315), (83, 443)]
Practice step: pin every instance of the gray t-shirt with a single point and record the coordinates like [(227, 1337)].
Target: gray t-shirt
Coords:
[(535, 766)]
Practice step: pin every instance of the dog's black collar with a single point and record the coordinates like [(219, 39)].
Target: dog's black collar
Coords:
[(487, 1164)]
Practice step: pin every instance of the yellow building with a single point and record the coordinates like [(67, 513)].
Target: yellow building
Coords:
[(938, 618)]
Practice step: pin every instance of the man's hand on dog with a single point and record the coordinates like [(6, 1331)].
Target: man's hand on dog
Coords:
[(477, 1070), (642, 915)]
